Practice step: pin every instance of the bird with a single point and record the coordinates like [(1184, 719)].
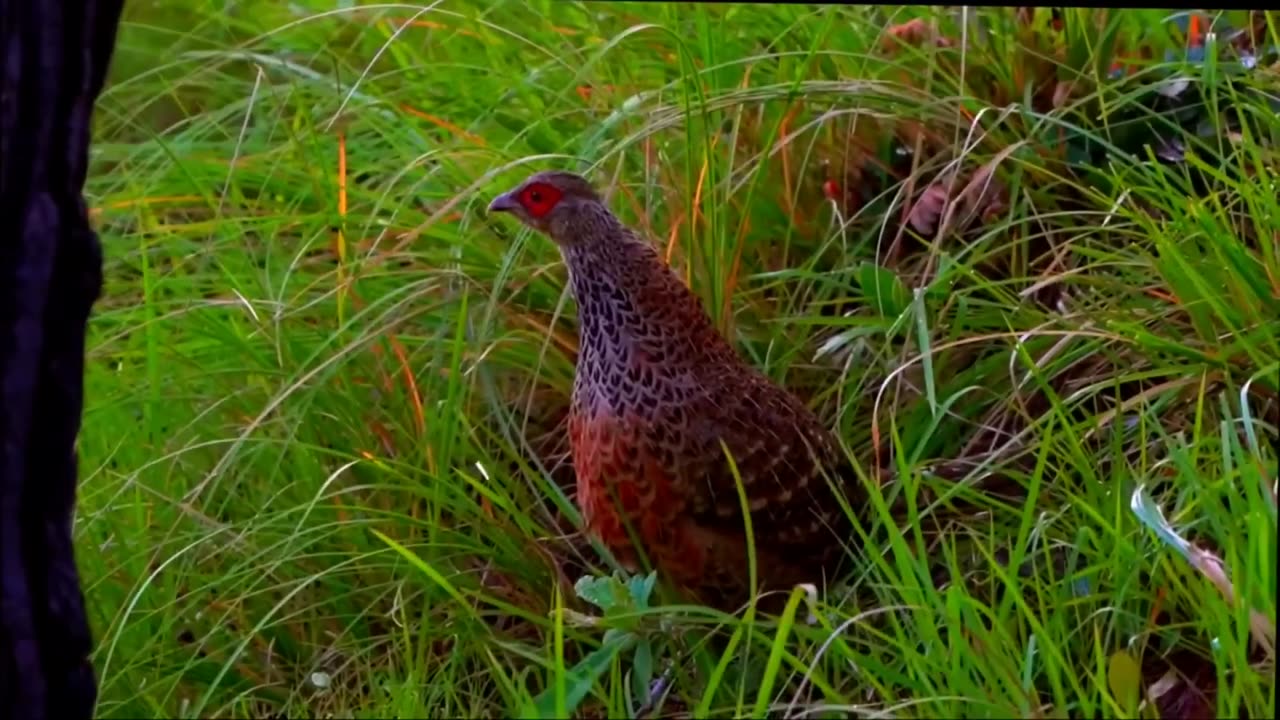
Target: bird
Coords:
[(659, 396)]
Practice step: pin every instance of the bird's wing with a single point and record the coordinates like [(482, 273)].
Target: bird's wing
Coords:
[(784, 458)]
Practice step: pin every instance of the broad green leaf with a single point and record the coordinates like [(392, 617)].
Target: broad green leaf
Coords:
[(606, 593), (641, 671), (641, 587), (1124, 677), (883, 290), (581, 677)]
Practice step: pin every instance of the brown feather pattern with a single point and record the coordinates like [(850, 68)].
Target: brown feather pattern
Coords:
[(656, 392)]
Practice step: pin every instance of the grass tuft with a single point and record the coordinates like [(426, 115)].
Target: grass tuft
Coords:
[(1025, 261)]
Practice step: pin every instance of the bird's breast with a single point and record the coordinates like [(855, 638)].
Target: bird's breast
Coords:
[(631, 379), (622, 482)]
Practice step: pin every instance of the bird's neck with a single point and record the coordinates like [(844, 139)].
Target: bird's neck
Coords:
[(612, 281), (638, 322)]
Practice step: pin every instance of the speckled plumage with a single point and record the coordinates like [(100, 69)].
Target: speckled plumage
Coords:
[(657, 390)]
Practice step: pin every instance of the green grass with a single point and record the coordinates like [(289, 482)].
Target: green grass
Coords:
[(325, 476)]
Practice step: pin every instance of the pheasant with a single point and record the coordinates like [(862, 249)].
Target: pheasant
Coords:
[(656, 391)]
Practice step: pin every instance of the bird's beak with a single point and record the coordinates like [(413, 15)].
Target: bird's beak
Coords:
[(503, 203)]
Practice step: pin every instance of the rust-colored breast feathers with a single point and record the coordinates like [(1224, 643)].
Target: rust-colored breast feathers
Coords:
[(629, 498)]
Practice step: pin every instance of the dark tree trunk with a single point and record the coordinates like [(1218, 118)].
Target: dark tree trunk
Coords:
[(53, 60)]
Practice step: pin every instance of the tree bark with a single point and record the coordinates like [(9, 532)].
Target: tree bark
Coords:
[(53, 60)]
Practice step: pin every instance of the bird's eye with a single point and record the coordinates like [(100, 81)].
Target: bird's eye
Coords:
[(538, 200)]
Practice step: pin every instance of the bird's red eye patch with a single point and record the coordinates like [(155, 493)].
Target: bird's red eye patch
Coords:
[(539, 198)]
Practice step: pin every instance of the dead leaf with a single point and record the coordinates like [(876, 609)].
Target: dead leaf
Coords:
[(1256, 31), (1187, 690), (928, 209), (984, 194), (1062, 92), (913, 32), (939, 206)]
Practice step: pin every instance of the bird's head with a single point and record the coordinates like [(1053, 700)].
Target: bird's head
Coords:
[(558, 204)]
